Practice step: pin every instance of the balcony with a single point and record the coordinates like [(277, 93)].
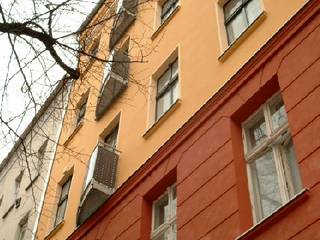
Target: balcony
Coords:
[(115, 82), (100, 181), (125, 18)]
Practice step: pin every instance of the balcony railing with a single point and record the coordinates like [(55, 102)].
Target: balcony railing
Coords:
[(115, 82), (100, 181), (125, 18)]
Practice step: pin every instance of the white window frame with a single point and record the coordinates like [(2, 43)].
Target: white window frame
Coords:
[(171, 221), (41, 156), (17, 182), (168, 88), (22, 231), (82, 105), (170, 11), (63, 199), (23, 228), (119, 6), (241, 10), (107, 70), (274, 141)]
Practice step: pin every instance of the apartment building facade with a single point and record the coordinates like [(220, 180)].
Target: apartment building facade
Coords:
[(146, 163), (24, 173)]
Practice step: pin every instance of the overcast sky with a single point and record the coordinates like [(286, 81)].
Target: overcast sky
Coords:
[(15, 103)]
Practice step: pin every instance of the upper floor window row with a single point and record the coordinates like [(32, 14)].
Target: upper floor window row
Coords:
[(239, 15), (167, 89), (167, 9), (63, 200)]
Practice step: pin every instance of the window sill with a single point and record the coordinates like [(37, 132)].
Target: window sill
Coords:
[(73, 133), (162, 119), (252, 232), (8, 211), (54, 230), (32, 181), (165, 23), (233, 46)]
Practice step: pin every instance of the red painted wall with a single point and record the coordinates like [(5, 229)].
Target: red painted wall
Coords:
[(205, 157)]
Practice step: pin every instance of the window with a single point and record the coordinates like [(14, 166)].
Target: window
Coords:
[(41, 153), (111, 139), (94, 50), (271, 159), (22, 228), (17, 185), (167, 89), (81, 111), (62, 204), (239, 15), (119, 6), (107, 69), (167, 9), (164, 216)]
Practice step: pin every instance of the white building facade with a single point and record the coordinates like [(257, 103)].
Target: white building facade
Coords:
[(25, 171)]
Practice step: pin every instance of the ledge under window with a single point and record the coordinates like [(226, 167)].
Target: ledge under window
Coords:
[(80, 124), (252, 232), (54, 230), (234, 45), (32, 181), (156, 124), (8, 211), (165, 23)]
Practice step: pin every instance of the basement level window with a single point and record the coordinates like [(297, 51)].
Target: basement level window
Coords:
[(164, 213), (273, 170)]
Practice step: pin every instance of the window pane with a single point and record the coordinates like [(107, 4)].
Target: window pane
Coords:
[(174, 202), (167, 9), (119, 5), (164, 80), (82, 111), (265, 175), (257, 132), (165, 16), (278, 114), (41, 153), (293, 169), (166, 5), (174, 231), (175, 69), (175, 92), (163, 104), (161, 211), (60, 212), (107, 68), (163, 236), (169, 6), (92, 164), (253, 10), (23, 229), (22, 233), (231, 7), (65, 189), (111, 139), (236, 26)]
